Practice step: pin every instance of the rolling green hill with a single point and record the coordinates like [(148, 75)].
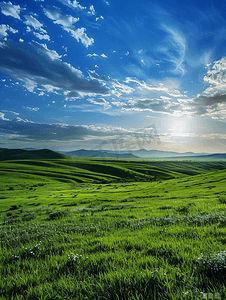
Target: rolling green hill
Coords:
[(112, 229), (103, 171), (12, 154)]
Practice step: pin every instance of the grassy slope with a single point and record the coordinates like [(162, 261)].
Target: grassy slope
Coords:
[(12, 154), (138, 240), (106, 171)]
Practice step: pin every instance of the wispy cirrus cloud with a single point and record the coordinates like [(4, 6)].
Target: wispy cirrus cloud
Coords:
[(173, 47)]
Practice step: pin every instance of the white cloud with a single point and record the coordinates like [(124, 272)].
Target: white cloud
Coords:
[(8, 9), (42, 33), (119, 88), (12, 112), (169, 87), (28, 29), (42, 36), (96, 55), (71, 95), (93, 55), (31, 21), (37, 66), (31, 108), (13, 30), (19, 119), (98, 18), (93, 74), (165, 97), (43, 49), (100, 101), (72, 4), (144, 58), (221, 136), (214, 107), (80, 35), (23, 129), (117, 103), (91, 10), (154, 105), (67, 24), (2, 117), (19, 133), (3, 30), (216, 78), (142, 62), (21, 40), (58, 18), (212, 102)]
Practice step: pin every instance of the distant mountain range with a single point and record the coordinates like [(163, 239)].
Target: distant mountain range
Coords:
[(157, 153), (14, 154), (99, 154), (142, 153), (216, 156)]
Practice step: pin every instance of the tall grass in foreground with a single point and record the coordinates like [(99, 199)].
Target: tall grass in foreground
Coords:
[(154, 258), (133, 240)]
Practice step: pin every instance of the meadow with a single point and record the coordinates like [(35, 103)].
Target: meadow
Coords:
[(112, 229)]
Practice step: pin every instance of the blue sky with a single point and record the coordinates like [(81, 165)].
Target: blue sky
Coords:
[(116, 75)]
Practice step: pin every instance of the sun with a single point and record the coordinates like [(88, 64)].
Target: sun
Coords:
[(178, 126)]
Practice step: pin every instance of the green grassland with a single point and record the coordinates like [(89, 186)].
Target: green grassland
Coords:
[(112, 229)]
